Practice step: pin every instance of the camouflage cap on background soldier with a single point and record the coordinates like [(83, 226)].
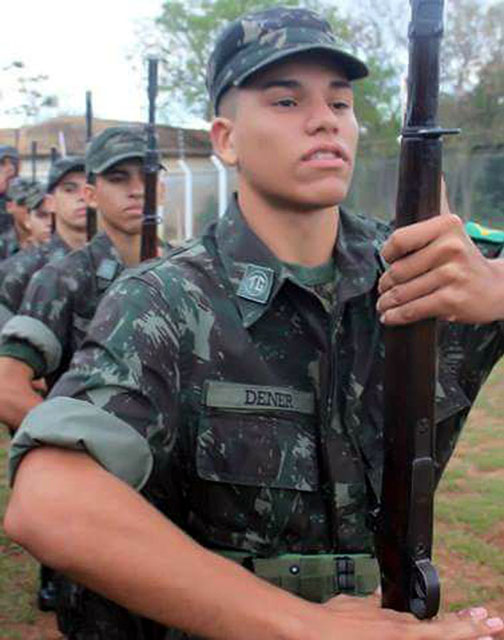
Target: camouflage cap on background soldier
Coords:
[(18, 190), (114, 145), (61, 167), (256, 40), (35, 195)]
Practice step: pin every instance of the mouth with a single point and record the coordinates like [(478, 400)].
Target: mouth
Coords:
[(328, 154)]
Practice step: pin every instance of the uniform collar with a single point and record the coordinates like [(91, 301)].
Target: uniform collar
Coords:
[(105, 257), (256, 275)]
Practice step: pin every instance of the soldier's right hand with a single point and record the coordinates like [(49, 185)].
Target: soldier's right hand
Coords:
[(362, 619)]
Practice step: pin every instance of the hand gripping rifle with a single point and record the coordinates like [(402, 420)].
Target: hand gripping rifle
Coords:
[(151, 167), (405, 518), (91, 226)]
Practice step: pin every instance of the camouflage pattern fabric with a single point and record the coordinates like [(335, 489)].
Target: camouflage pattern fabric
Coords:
[(113, 145), (259, 394), (16, 272), (258, 39), (63, 295), (9, 244), (61, 167)]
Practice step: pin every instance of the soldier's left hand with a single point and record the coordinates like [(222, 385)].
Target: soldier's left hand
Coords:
[(437, 271)]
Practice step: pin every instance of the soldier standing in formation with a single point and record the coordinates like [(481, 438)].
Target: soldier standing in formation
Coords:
[(65, 197), (9, 169), (17, 208), (219, 434), (62, 296)]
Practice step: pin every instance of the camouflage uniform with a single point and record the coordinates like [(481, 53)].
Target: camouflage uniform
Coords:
[(33, 196), (57, 307), (243, 396), (15, 273)]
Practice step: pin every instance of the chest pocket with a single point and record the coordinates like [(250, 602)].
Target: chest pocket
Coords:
[(256, 463), (258, 436)]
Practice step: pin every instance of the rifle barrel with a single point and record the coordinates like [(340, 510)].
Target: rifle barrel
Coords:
[(151, 167), (404, 539)]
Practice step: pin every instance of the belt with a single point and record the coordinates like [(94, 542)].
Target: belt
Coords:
[(315, 577)]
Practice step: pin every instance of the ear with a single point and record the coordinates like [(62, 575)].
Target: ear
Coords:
[(89, 193), (222, 137)]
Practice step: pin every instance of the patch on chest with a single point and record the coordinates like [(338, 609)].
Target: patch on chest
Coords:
[(256, 284), (232, 395)]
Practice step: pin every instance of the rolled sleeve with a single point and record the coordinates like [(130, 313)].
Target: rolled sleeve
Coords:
[(80, 426), (39, 335)]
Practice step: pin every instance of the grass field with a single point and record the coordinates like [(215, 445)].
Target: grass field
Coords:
[(469, 536)]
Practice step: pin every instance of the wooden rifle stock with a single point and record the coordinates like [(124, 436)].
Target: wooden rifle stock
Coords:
[(405, 518), (151, 167), (91, 224)]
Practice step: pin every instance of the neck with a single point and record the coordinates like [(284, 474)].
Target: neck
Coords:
[(127, 246), (304, 237), (74, 238)]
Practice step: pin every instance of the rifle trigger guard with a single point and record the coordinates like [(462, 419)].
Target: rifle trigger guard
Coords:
[(424, 590)]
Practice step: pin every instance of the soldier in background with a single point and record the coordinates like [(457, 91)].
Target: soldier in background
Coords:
[(16, 207), (41, 222), (210, 458), (9, 169), (65, 197), (59, 303)]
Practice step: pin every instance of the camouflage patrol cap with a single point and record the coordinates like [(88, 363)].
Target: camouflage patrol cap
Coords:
[(114, 145), (7, 151), (18, 190), (35, 195), (258, 39), (61, 167)]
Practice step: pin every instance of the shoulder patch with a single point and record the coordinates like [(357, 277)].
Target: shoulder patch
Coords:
[(479, 232)]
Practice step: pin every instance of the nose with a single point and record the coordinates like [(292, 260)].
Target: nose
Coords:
[(321, 117), (137, 185)]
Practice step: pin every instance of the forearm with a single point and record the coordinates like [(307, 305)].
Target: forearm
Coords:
[(135, 556), (17, 395)]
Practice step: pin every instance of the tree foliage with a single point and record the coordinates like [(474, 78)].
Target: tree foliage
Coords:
[(30, 88)]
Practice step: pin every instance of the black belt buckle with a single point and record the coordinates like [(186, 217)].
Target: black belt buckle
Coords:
[(345, 575)]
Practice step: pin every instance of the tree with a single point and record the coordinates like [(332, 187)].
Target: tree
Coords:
[(30, 89)]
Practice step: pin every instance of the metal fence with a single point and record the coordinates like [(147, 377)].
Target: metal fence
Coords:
[(475, 184)]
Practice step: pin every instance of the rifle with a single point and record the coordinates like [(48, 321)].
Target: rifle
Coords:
[(34, 161), (405, 517), (150, 168), (90, 212)]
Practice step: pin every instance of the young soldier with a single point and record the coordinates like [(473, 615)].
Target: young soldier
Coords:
[(41, 221), (16, 207), (64, 196), (9, 168), (224, 413), (62, 296)]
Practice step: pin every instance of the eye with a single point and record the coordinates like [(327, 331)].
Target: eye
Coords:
[(340, 105), (285, 102)]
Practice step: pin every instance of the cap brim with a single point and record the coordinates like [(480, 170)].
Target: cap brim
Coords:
[(353, 68), (130, 155), (125, 156), (78, 166)]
